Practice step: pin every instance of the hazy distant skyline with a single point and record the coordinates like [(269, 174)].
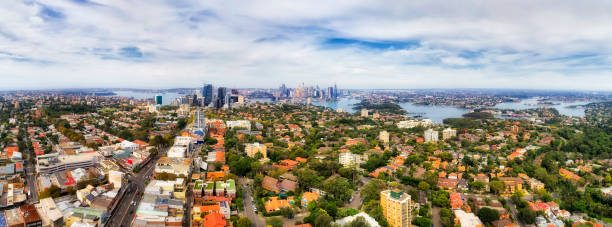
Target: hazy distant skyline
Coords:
[(262, 44)]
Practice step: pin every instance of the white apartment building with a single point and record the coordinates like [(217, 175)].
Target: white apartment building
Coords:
[(430, 135), (239, 123), (348, 159), (448, 133), (364, 113), (383, 136), (414, 123)]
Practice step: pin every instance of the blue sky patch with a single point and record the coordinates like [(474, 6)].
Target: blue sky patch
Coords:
[(202, 15), (131, 52), (345, 42), (47, 13)]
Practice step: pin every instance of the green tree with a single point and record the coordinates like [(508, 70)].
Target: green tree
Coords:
[(488, 215), (527, 215), (287, 212), (497, 186), (307, 178), (477, 185), (371, 191), (430, 178), (441, 199), (275, 222), (422, 222), (244, 222), (358, 222), (323, 220), (423, 186), (339, 188), (52, 192)]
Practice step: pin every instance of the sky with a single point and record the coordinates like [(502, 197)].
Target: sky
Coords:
[(560, 44)]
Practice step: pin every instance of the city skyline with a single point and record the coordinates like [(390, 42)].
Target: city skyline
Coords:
[(560, 45)]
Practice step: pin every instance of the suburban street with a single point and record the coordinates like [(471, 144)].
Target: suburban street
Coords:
[(437, 222), (356, 195), (248, 206), (514, 211)]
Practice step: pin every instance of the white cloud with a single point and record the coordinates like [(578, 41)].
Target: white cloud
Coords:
[(507, 44)]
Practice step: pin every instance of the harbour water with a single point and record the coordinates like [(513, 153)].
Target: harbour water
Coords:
[(437, 113), (564, 108)]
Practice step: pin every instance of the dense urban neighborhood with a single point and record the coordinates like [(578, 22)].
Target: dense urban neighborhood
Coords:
[(219, 157)]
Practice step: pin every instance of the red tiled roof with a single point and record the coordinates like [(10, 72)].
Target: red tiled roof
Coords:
[(270, 184), (214, 220)]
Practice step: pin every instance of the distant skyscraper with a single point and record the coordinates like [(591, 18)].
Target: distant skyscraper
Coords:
[(283, 91), (199, 121), (221, 93), (227, 101), (335, 95), (207, 93), (158, 99), (194, 100)]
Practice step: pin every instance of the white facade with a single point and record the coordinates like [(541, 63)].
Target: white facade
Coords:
[(240, 123), (448, 133), (177, 152), (128, 146), (364, 113), (467, 219), (383, 137), (430, 135), (347, 159), (154, 108), (115, 177), (184, 141), (414, 123)]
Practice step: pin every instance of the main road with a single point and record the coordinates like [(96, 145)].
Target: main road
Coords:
[(30, 172), (125, 210)]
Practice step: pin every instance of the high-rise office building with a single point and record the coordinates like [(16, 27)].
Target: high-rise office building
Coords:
[(221, 93), (227, 101), (194, 100), (396, 207), (283, 91), (199, 121), (158, 99), (207, 93), (335, 94)]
